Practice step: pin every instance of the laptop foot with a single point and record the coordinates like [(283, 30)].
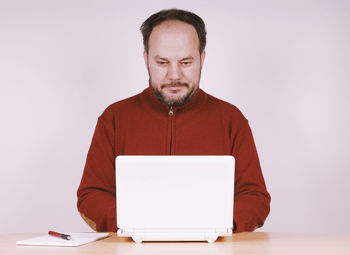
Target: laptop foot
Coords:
[(211, 238), (137, 238)]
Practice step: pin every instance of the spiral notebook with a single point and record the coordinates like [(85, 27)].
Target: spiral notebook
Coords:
[(77, 240)]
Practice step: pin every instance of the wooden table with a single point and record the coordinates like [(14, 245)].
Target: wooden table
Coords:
[(242, 243)]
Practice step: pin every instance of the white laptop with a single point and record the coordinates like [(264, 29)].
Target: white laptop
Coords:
[(174, 198)]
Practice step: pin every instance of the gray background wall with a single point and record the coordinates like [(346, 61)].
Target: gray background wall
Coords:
[(285, 64)]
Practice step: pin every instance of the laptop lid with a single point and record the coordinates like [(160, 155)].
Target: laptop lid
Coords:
[(174, 192)]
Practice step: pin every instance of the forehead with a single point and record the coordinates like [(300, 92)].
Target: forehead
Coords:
[(173, 37)]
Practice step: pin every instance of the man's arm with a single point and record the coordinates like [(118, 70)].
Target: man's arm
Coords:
[(252, 201), (96, 193)]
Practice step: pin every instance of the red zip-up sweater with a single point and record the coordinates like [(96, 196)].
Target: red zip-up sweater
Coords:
[(142, 125)]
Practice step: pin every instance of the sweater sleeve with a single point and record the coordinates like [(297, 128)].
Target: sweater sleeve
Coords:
[(96, 193), (252, 201)]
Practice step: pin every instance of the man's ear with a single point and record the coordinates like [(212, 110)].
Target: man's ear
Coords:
[(145, 57), (202, 58)]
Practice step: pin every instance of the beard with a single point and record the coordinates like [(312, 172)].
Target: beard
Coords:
[(174, 101), (177, 101)]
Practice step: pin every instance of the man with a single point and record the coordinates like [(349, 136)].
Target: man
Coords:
[(172, 117)]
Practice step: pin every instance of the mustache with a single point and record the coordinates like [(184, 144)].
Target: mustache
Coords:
[(174, 84)]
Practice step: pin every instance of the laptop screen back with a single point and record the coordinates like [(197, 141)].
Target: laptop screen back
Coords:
[(174, 192)]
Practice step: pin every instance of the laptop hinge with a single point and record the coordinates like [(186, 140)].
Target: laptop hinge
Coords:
[(127, 231)]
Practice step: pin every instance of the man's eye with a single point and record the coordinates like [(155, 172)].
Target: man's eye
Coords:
[(186, 62), (161, 62)]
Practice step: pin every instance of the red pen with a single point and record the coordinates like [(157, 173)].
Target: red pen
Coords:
[(63, 236)]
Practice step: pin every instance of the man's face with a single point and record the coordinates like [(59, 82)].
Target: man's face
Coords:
[(174, 63)]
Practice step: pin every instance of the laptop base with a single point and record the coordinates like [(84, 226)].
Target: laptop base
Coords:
[(164, 235)]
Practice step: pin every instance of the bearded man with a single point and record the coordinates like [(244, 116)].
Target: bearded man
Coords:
[(172, 116)]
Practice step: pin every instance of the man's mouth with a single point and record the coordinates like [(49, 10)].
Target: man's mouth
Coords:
[(174, 85)]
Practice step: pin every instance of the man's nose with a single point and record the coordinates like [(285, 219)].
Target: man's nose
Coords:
[(174, 72)]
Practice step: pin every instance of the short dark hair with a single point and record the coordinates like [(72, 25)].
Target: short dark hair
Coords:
[(174, 14)]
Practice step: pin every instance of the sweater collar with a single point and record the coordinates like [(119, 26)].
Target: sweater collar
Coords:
[(195, 103)]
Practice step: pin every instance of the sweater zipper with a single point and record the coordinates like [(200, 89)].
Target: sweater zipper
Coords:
[(171, 131), (171, 111)]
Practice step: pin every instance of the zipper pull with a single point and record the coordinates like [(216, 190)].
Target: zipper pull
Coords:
[(171, 112)]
